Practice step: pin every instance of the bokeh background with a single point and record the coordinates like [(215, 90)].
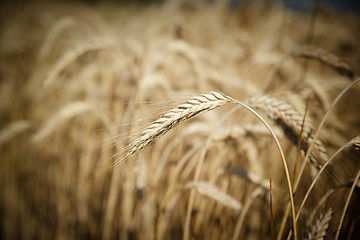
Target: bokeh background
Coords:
[(80, 80)]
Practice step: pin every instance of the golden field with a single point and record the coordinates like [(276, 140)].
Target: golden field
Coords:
[(178, 120)]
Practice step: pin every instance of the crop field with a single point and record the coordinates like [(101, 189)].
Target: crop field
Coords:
[(178, 120)]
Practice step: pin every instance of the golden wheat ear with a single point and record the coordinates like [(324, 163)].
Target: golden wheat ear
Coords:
[(211, 191), (14, 129), (291, 122), (320, 226), (175, 116), (71, 55), (325, 57), (60, 118)]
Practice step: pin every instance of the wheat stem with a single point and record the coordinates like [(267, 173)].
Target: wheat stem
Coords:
[(297, 180), (347, 204)]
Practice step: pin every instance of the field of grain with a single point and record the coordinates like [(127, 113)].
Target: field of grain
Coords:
[(178, 120)]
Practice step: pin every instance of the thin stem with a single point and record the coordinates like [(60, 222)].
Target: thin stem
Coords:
[(316, 178), (271, 207), (282, 157), (300, 138), (319, 128), (197, 175), (347, 204)]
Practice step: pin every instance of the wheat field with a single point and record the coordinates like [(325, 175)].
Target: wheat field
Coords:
[(178, 120)]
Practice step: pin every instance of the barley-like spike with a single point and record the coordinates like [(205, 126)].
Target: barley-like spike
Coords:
[(211, 191), (325, 57), (13, 129), (173, 117), (59, 118), (290, 121), (318, 230), (355, 142), (94, 44)]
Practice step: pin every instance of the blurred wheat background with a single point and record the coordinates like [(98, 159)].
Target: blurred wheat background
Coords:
[(123, 120)]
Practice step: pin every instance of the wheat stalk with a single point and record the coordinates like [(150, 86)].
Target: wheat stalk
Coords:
[(247, 205), (354, 184), (355, 143), (296, 183)]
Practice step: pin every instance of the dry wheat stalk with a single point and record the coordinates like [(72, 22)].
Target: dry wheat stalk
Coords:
[(258, 191), (339, 83), (211, 191), (354, 184), (290, 121), (318, 230), (325, 57)]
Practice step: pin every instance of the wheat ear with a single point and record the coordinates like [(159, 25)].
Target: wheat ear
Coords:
[(318, 230), (173, 117), (94, 44), (13, 130), (68, 112), (211, 191), (55, 32), (324, 57), (290, 121)]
